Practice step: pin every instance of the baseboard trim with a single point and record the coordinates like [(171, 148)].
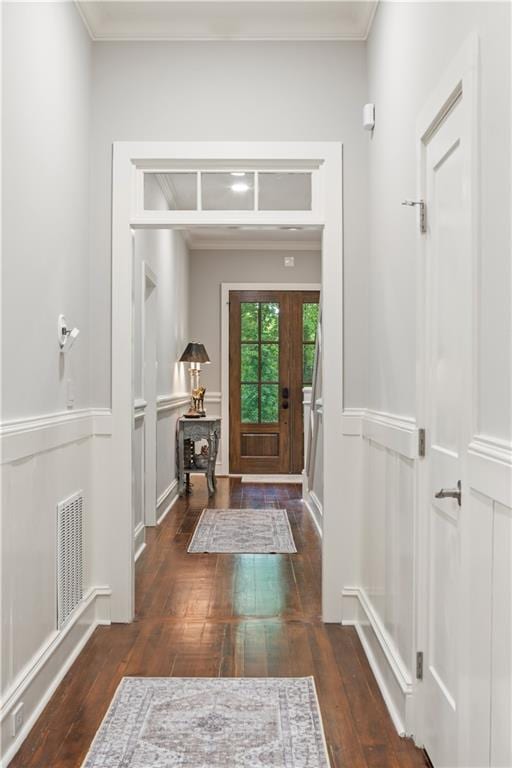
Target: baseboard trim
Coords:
[(37, 683), (294, 479), (139, 540), (315, 509), (166, 501), (377, 673), (369, 621)]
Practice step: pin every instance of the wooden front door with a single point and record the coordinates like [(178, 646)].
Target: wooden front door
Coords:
[(271, 351)]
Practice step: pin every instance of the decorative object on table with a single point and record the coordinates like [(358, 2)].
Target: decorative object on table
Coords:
[(216, 722), (195, 354), (189, 432), (201, 459), (198, 400), (243, 531)]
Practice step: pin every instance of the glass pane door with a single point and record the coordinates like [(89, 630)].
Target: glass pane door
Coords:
[(259, 362)]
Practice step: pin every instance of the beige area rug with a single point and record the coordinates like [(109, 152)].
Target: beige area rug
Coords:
[(161, 722), (238, 531)]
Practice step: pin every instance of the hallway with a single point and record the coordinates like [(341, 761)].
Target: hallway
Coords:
[(224, 615)]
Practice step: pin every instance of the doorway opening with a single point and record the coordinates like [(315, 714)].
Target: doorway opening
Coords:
[(312, 174)]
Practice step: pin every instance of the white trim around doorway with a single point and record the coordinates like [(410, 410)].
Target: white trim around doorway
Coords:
[(225, 289), (130, 161)]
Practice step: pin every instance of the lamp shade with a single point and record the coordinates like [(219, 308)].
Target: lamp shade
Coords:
[(194, 353)]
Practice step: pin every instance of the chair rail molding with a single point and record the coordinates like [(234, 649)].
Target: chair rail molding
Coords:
[(490, 468), (28, 436), (171, 401)]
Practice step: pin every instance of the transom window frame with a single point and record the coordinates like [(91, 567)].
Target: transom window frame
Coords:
[(312, 217)]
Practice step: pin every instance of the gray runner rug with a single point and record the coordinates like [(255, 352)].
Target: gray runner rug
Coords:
[(237, 531), (162, 722)]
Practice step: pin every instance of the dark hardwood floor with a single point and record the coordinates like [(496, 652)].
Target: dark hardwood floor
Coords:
[(227, 615)]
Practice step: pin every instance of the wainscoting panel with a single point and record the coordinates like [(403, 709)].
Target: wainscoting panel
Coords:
[(45, 460), (384, 616)]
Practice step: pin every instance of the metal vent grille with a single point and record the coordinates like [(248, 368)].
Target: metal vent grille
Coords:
[(69, 556)]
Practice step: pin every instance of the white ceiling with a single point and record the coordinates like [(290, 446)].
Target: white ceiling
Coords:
[(246, 239), (228, 19)]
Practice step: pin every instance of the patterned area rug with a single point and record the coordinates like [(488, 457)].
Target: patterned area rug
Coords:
[(237, 531), (161, 722)]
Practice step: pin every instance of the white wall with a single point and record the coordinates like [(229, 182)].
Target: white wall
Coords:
[(45, 266), (48, 452), (239, 91), (208, 269), (410, 46), (166, 254)]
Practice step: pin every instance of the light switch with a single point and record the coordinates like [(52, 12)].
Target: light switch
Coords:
[(289, 261)]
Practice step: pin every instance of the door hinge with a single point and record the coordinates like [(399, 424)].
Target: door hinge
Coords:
[(421, 441), (423, 212), (419, 665)]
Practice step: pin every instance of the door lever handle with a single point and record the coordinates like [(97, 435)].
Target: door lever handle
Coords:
[(451, 493)]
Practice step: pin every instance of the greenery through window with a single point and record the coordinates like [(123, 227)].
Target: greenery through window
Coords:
[(259, 362), (309, 326)]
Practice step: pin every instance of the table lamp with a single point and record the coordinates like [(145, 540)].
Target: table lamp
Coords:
[(195, 354)]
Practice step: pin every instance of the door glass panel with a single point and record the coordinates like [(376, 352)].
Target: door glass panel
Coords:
[(170, 191), (269, 321), (259, 362), (284, 191), (250, 320), (309, 328), (270, 362), (249, 403), (249, 363), (227, 191), (269, 403), (308, 364), (309, 321)]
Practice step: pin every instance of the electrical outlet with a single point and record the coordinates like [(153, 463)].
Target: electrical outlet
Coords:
[(17, 719), (289, 261)]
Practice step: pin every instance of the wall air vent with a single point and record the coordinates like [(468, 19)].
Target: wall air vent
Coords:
[(69, 556)]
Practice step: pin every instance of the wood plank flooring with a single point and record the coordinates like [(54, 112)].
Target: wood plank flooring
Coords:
[(225, 615)]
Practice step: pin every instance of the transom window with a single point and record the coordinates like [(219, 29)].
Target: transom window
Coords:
[(228, 190)]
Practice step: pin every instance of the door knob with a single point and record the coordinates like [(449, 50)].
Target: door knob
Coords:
[(285, 404), (451, 493)]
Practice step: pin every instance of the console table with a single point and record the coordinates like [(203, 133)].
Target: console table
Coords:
[(190, 431)]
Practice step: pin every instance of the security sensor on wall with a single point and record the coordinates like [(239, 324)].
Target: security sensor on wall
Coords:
[(369, 117), (67, 336)]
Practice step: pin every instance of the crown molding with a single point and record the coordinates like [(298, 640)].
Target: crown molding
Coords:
[(185, 26)]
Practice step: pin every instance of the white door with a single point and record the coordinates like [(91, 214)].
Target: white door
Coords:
[(149, 390), (448, 265)]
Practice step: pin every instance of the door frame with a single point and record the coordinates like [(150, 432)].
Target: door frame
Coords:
[(150, 418), (459, 79), (225, 289), (130, 160)]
